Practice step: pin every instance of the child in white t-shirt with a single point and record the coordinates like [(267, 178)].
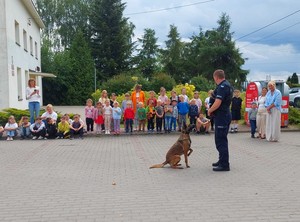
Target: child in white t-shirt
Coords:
[(11, 128)]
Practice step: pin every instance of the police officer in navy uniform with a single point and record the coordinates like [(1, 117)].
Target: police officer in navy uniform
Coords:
[(221, 112)]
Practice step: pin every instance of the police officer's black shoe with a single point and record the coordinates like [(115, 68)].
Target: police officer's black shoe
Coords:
[(221, 168), (215, 164)]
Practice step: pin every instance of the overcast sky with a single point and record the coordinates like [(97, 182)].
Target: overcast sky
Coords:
[(274, 50)]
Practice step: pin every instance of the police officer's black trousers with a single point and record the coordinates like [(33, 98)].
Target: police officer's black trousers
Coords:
[(222, 123)]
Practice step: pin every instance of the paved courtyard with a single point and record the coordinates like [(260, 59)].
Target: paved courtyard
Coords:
[(107, 178)]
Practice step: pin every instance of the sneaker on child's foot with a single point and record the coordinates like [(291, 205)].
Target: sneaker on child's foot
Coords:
[(232, 130), (235, 130), (40, 138), (34, 138), (8, 139)]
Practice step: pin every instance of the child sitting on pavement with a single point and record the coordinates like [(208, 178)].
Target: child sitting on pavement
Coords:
[(77, 127), (24, 126), (51, 129), (1, 131), (11, 128), (38, 129), (202, 124), (63, 129)]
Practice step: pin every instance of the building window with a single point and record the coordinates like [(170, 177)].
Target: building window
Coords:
[(31, 45), (25, 40), (17, 33), (19, 79), (36, 50)]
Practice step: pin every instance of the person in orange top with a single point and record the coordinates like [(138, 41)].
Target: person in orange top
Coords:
[(137, 96)]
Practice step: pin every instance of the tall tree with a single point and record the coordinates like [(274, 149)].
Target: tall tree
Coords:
[(215, 49), (74, 69), (294, 78), (172, 55), (148, 53), (111, 37), (62, 19)]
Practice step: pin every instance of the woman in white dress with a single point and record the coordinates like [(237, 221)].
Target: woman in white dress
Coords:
[(273, 105), (262, 114)]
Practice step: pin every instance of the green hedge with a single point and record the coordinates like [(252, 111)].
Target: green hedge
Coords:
[(18, 113)]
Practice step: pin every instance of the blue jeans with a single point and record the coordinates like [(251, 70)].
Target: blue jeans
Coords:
[(34, 110), (253, 126), (25, 131), (168, 122), (181, 121), (128, 125), (11, 133), (173, 123)]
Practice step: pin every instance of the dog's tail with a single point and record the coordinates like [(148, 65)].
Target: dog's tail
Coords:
[(161, 165)]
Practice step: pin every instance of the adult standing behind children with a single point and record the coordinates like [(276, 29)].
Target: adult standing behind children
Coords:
[(262, 114), (273, 105), (137, 96), (33, 97), (220, 110)]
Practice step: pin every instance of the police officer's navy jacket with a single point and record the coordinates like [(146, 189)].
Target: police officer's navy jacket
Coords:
[(223, 92)]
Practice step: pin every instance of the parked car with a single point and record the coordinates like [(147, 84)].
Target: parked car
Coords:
[(294, 95)]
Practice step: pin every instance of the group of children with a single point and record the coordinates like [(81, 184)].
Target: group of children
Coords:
[(154, 115), (43, 128)]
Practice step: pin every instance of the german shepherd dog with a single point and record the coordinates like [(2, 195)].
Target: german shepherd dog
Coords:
[(182, 146)]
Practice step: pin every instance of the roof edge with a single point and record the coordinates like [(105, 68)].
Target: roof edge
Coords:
[(34, 13)]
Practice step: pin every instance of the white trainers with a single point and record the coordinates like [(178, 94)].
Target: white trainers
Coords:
[(40, 138), (8, 138), (11, 139), (34, 138), (108, 132)]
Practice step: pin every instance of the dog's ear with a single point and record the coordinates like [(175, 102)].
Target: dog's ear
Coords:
[(184, 126)]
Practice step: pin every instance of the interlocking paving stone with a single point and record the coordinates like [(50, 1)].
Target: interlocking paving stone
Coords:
[(107, 178)]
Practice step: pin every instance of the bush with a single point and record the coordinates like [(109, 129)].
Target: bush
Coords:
[(119, 84), (202, 83), (294, 116), (162, 80)]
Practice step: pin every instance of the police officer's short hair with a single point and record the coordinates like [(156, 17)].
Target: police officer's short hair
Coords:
[(220, 74)]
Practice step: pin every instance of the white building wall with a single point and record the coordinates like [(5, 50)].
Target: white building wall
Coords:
[(19, 61), (3, 57)]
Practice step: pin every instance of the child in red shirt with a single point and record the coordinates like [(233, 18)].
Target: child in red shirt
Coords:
[(128, 117)]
